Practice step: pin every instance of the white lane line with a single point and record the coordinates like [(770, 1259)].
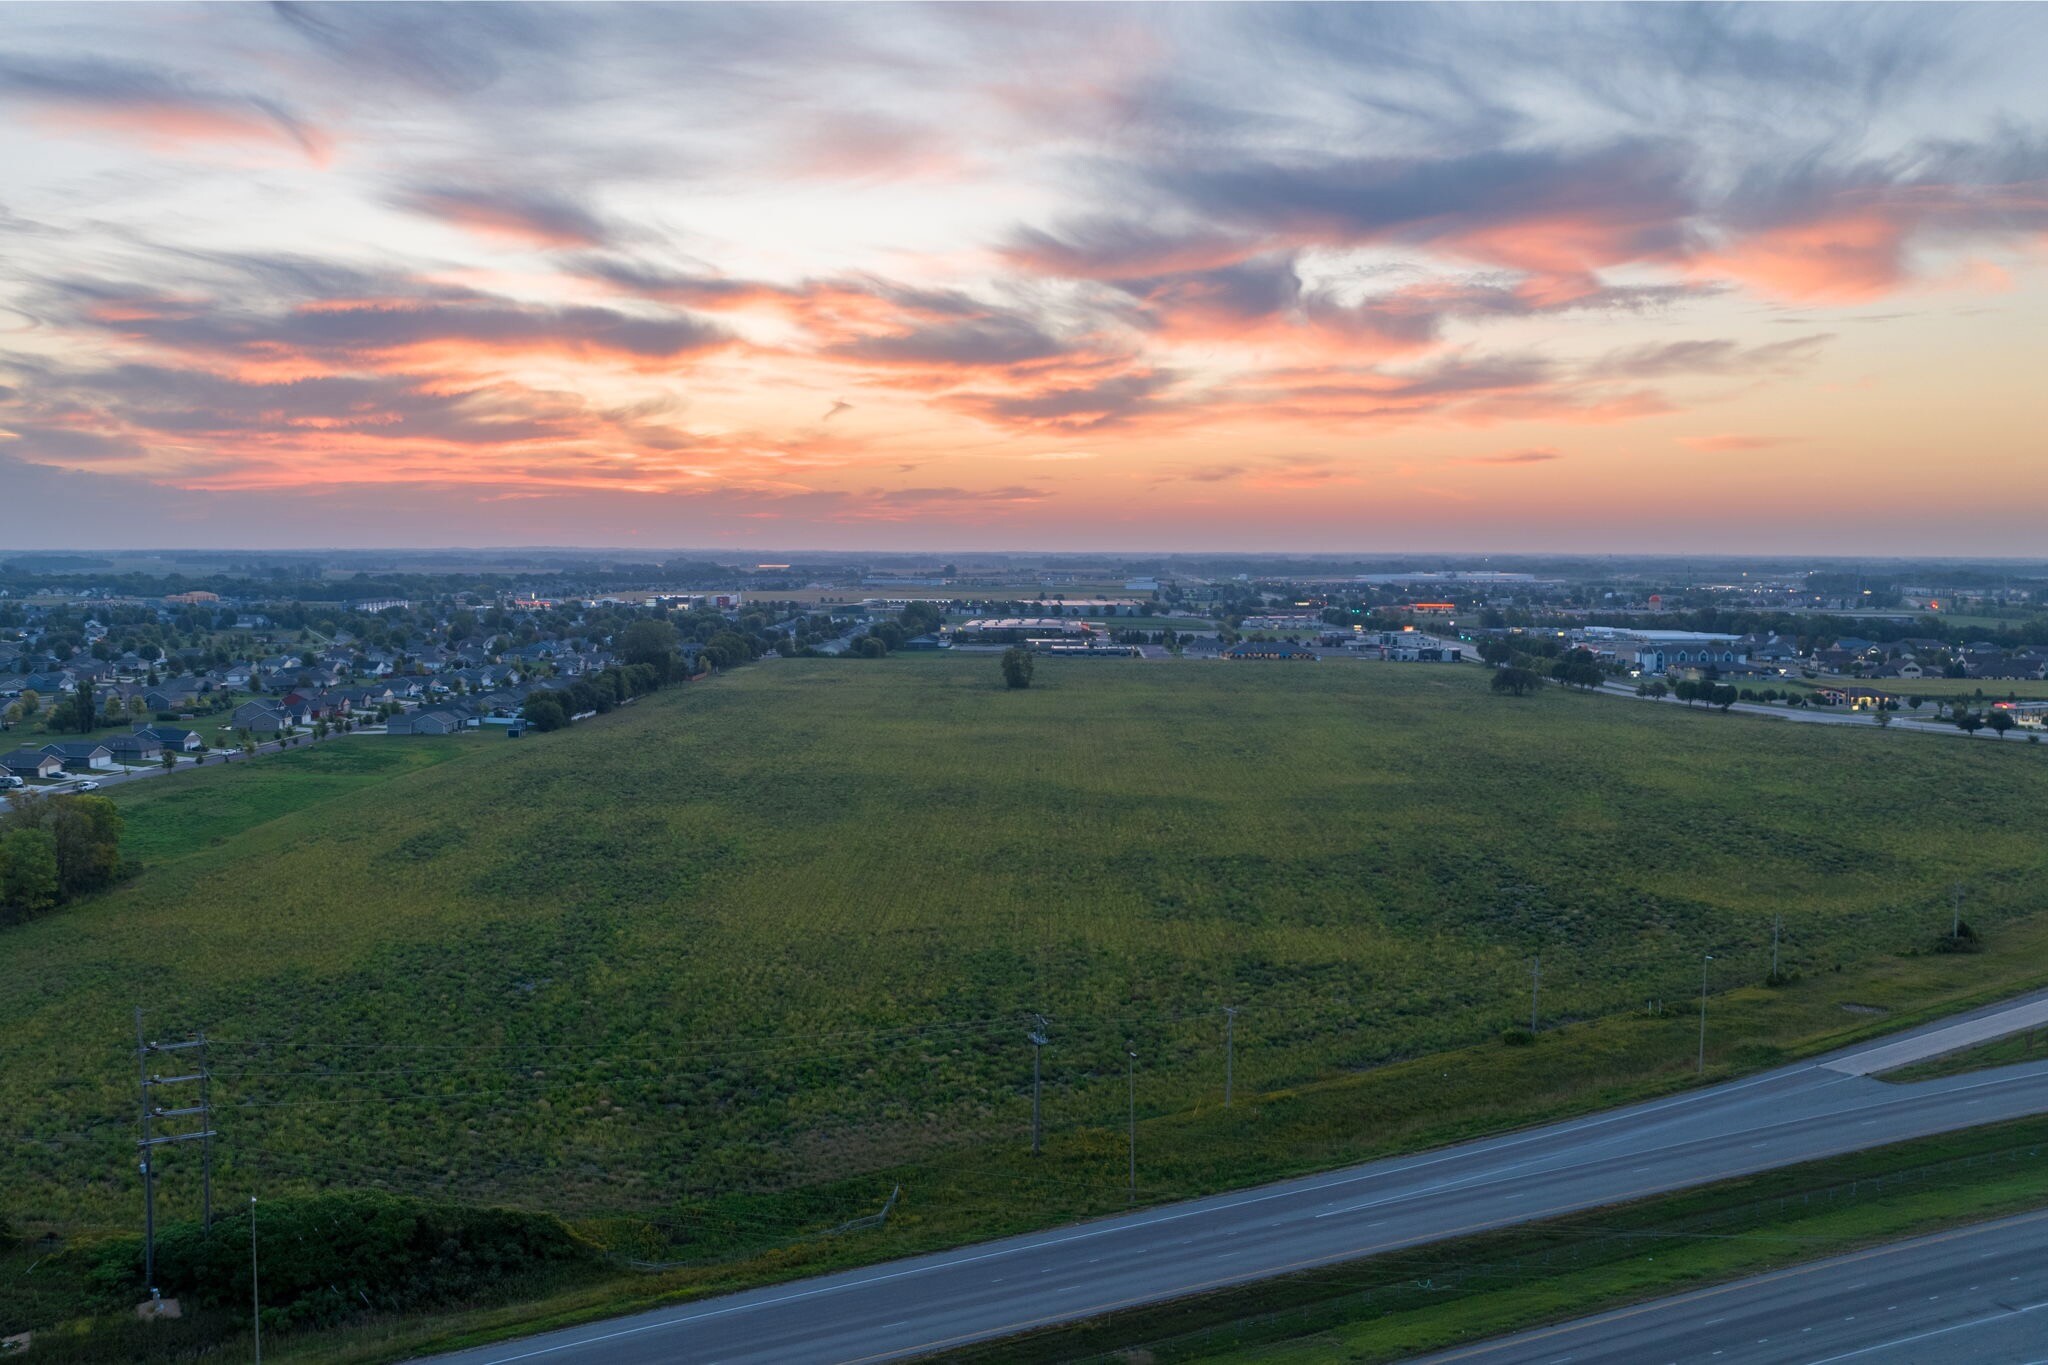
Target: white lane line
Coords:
[(1999, 1316), (1484, 1148)]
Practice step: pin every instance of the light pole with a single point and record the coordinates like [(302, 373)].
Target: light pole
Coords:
[(1229, 1051), (1703, 1011), (1131, 1073), (255, 1299), (1038, 1041)]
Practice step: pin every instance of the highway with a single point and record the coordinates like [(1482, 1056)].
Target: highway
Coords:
[(1972, 1296), (928, 1303)]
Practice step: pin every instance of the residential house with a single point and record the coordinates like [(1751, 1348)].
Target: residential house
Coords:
[(171, 737), (82, 755), (264, 718), (31, 763), (439, 721), (140, 747)]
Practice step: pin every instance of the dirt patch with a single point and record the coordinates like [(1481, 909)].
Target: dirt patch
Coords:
[(1866, 1009)]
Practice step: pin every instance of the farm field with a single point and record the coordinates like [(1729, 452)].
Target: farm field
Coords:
[(721, 968)]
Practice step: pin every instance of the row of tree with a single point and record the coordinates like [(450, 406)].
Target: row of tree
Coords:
[(55, 849)]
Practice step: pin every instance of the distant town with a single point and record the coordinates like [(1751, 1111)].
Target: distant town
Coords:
[(107, 673)]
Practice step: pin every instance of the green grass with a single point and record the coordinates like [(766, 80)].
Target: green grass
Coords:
[(715, 972), (2011, 1050), (184, 812), (1407, 1303)]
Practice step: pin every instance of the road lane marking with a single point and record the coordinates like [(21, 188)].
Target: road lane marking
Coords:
[(1754, 1282), (2000, 1316)]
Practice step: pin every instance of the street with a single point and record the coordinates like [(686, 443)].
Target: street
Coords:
[(925, 1304), (1975, 1295)]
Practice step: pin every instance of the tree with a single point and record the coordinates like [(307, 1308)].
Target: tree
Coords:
[(1969, 722), (75, 712), (1518, 682), (31, 702), (1721, 695), (1495, 651), (1881, 716), (544, 711), (653, 643), (1999, 721), (1017, 665), (85, 832), (28, 874)]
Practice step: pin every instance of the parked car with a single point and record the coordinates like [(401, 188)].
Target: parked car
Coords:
[(88, 786)]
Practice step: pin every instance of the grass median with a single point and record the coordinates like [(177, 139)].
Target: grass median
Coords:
[(1406, 1303)]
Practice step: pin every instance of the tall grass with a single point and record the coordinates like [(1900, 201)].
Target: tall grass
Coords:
[(732, 961)]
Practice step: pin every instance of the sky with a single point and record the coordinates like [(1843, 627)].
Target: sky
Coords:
[(1328, 278)]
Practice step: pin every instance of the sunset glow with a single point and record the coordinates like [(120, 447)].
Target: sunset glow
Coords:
[(1263, 277)]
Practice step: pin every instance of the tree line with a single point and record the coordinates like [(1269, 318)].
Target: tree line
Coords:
[(55, 849)]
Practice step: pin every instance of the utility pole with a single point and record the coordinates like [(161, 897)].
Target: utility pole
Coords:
[(1535, 988), (1131, 1072), (148, 1146), (1703, 1011), (1229, 1052), (255, 1298), (151, 1139), (1038, 1042)]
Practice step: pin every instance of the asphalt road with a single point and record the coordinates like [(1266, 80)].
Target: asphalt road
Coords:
[(144, 771), (1972, 1296), (922, 1305), (1902, 721)]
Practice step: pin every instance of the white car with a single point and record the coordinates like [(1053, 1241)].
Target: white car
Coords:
[(87, 787), (227, 753)]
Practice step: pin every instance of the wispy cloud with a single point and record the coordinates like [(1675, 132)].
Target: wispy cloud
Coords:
[(1534, 455)]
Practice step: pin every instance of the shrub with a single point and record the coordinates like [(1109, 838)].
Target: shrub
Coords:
[(326, 1256)]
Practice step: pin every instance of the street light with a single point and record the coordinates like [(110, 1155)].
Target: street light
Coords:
[(1703, 1012), (1131, 1073), (255, 1299), (1038, 1041)]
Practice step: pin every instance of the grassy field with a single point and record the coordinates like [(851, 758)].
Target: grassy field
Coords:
[(717, 971), (170, 817)]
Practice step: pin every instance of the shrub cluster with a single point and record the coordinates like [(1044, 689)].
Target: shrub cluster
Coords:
[(326, 1256)]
